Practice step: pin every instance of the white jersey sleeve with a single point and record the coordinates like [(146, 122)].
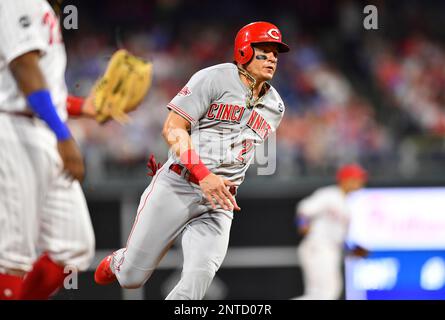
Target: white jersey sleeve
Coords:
[(20, 29), (25, 26), (328, 215), (313, 205), (194, 99)]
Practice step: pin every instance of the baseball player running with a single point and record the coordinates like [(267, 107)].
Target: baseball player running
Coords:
[(214, 124), (323, 220), (42, 207)]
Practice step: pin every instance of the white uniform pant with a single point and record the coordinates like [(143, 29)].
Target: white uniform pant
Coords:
[(171, 206), (322, 270), (40, 210)]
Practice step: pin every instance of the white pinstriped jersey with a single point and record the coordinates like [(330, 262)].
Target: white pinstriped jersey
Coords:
[(40, 208), (28, 25), (224, 131), (328, 215)]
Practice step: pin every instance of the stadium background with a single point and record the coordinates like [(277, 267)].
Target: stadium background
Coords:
[(372, 96)]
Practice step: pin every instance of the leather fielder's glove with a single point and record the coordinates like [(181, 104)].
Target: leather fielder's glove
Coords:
[(122, 88)]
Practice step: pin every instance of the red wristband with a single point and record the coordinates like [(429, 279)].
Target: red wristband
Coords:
[(193, 163), (74, 105)]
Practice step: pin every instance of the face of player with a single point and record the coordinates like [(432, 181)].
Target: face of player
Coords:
[(352, 184), (264, 63)]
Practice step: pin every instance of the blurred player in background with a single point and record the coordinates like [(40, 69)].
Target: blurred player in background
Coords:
[(213, 126), (323, 220), (42, 206)]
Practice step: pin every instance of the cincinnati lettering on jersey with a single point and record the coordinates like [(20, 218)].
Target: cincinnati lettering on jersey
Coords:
[(257, 123), (225, 112)]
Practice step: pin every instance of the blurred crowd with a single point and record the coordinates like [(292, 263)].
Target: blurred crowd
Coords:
[(327, 122), (411, 73)]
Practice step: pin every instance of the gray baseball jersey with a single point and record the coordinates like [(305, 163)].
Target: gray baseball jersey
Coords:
[(224, 132)]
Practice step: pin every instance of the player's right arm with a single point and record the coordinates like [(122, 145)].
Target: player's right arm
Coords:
[(176, 133), (31, 81), (313, 205), (307, 210)]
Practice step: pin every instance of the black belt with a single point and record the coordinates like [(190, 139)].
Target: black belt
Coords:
[(177, 168)]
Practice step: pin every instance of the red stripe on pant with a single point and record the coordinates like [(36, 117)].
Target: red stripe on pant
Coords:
[(137, 219)]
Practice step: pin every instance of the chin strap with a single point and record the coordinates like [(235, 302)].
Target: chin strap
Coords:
[(251, 101)]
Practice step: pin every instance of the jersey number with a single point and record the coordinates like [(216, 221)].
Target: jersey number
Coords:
[(55, 34), (247, 146)]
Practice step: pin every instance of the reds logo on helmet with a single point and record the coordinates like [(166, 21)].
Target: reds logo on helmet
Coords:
[(274, 33), (256, 32)]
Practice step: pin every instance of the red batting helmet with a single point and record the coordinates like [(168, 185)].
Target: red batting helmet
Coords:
[(349, 171), (256, 32)]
